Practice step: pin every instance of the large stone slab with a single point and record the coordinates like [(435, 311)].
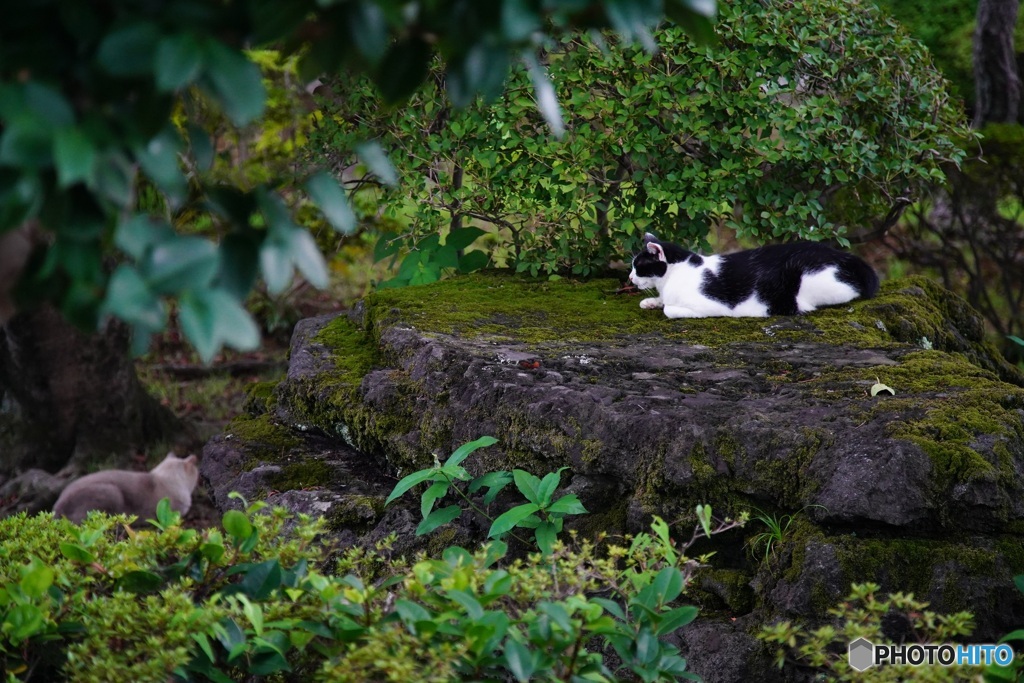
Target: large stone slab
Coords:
[(921, 490)]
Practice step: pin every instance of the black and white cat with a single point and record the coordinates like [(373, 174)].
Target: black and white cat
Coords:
[(781, 279)]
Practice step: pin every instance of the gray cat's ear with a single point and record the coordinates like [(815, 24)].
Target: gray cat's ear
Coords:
[(650, 237), (655, 248)]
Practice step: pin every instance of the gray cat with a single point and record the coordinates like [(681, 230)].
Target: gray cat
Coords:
[(133, 493)]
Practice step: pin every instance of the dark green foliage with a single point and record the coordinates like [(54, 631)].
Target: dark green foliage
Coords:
[(946, 27), (101, 602), (971, 233), (101, 154), (542, 512), (808, 118), (865, 614)]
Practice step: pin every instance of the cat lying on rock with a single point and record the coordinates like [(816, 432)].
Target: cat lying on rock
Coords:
[(133, 493), (781, 279)]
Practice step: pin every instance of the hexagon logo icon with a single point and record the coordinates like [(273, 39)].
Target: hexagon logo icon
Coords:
[(861, 654)]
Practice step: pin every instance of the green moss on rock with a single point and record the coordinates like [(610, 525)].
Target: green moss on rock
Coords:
[(304, 474), (357, 513), (265, 440), (259, 397)]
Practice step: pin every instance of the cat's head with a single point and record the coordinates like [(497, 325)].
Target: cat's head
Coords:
[(651, 264), (184, 470)]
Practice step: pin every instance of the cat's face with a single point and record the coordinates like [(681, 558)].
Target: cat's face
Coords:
[(649, 266), (185, 470)]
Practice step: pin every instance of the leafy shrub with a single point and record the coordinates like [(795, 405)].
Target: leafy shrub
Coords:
[(811, 116), (866, 615), (254, 599), (946, 27), (971, 233)]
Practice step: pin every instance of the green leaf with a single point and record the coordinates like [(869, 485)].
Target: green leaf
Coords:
[(611, 607), (1013, 635), (36, 578), (403, 69), (115, 179), (179, 263), (261, 580), (236, 83), (212, 551), (201, 146), (139, 581), (130, 299), (468, 603), (632, 20), (547, 486), (519, 20), (437, 490), (368, 27), (328, 195), (408, 482), (494, 482), (676, 618), (76, 553), (376, 159), (237, 525), (307, 257), (878, 388), (165, 516), (438, 518), (510, 519), (692, 15), (547, 100), (23, 621), (411, 613), (74, 156), (463, 451), (520, 660), (159, 159), (268, 663), (276, 265), (129, 51), (546, 533), (48, 105), (568, 504), (239, 259), (704, 517), (667, 585), (212, 318), (25, 142), (140, 232), (179, 61), (1015, 339), (479, 70), (528, 485), (463, 237), (474, 260)]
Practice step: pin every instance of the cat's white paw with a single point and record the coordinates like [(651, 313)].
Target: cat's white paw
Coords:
[(681, 312), (651, 302)]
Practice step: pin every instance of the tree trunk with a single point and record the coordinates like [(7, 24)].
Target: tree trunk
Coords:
[(995, 63), (65, 394)]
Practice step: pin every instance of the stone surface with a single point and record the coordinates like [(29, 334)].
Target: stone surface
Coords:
[(922, 491)]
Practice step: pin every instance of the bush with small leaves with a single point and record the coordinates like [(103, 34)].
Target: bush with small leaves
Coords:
[(862, 615), (809, 119), (254, 599)]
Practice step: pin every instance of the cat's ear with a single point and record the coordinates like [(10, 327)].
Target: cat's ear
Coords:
[(650, 237), (655, 248)]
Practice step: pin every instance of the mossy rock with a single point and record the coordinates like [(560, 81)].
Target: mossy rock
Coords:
[(653, 416)]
